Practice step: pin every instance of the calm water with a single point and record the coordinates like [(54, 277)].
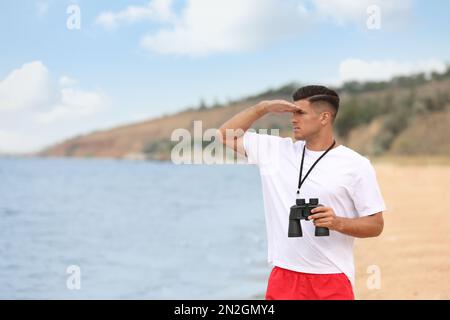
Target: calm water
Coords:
[(135, 229)]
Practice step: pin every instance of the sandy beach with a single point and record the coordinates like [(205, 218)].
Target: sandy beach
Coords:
[(413, 253)]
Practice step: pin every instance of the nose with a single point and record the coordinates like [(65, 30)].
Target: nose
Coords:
[(293, 119)]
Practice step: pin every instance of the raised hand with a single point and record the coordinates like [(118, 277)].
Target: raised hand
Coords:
[(279, 106)]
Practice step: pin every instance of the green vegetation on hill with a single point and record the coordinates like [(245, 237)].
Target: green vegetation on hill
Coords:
[(395, 104)]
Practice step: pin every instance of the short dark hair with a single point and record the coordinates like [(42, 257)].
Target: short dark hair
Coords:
[(318, 93)]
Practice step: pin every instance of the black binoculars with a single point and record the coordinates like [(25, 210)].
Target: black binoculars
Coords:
[(301, 211)]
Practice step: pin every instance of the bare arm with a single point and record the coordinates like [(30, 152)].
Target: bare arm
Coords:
[(232, 131), (363, 227)]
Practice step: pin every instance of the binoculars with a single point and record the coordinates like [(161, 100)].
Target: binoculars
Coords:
[(301, 211)]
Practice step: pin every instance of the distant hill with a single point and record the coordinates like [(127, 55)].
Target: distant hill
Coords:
[(403, 116)]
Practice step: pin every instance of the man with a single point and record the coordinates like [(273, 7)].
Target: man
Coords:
[(310, 267)]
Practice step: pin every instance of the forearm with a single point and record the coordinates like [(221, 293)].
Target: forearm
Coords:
[(244, 119), (364, 227)]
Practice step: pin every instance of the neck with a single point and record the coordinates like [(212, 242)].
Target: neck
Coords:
[(320, 143)]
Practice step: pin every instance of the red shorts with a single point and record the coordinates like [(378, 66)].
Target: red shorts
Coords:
[(286, 284)]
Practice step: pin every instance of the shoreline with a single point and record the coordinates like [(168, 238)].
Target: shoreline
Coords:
[(376, 160)]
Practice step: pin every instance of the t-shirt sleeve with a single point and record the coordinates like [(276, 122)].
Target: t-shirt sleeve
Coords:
[(366, 192), (262, 149)]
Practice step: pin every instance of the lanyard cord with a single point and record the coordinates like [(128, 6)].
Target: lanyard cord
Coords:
[(300, 181)]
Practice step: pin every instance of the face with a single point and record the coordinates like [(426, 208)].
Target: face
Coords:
[(306, 122)]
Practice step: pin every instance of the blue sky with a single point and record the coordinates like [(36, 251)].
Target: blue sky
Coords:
[(134, 60)]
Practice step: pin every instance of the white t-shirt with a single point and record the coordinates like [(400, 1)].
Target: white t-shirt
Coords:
[(343, 180)]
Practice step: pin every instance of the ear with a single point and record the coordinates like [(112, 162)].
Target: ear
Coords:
[(325, 117)]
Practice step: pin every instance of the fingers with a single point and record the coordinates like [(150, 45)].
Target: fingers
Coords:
[(319, 215), (323, 222), (327, 224), (280, 106), (323, 217), (321, 212), (289, 105), (292, 107), (320, 209), (285, 102)]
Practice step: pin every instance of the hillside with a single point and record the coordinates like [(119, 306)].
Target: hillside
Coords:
[(404, 116)]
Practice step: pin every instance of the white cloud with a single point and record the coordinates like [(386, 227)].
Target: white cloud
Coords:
[(227, 26), (207, 26), (378, 70), (26, 87), (66, 81), (74, 103), (32, 103), (31, 88), (155, 10)]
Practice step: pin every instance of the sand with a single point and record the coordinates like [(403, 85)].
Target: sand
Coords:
[(413, 252)]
